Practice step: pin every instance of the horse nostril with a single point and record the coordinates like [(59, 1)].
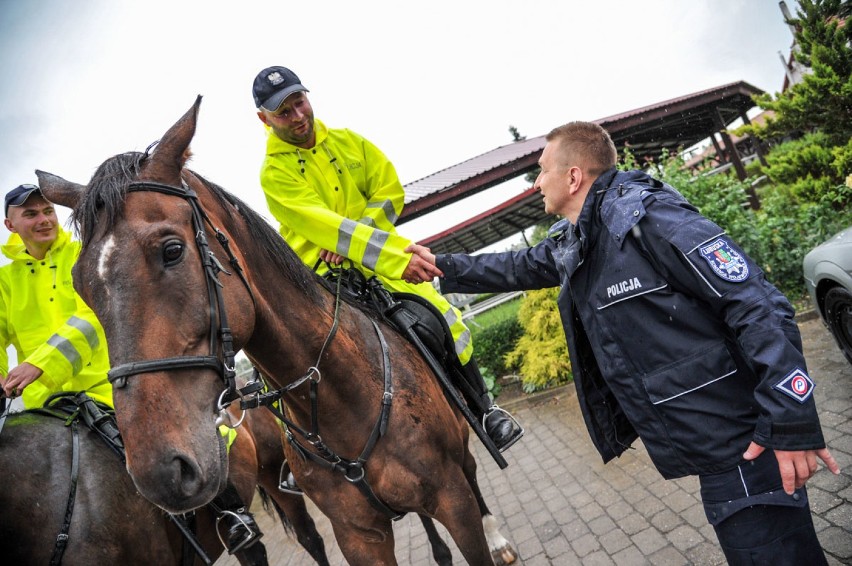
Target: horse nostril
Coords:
[(187, 481)]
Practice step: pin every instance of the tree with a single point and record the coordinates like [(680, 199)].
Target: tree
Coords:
[(823, 99)]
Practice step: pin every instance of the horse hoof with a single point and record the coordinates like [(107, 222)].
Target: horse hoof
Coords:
[(504, 556)]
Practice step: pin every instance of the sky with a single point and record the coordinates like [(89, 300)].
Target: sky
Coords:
[(431, 84)]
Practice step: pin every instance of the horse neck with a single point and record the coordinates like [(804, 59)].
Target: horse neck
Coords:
[(294, 316), (295, 332)]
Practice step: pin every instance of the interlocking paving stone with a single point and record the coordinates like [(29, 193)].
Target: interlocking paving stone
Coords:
[(560, 505)]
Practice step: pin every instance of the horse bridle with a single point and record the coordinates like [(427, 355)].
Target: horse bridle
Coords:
[(212, 267), (249, 395)]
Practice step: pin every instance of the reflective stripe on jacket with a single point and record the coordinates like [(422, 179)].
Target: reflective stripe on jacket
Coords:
[(49, 324), (344, 195)]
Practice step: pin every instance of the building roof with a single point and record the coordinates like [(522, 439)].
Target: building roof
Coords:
[(498, 223), (648, 132)]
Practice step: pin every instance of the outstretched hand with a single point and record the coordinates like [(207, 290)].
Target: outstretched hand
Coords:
[(796, 466), (421, 267)]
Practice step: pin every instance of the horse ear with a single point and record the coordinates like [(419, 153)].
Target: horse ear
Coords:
[(59, 191), (173, 149)]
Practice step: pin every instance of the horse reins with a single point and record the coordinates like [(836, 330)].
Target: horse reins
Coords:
[(352, 470), (212, 267)]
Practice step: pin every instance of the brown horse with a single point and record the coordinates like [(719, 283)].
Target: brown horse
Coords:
[(110, 522), (369, 402)]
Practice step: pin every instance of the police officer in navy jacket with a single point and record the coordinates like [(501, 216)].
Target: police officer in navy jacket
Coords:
[(675, 337)]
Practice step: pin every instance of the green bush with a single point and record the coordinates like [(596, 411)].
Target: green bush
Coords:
[(541, 353), (493, 342)]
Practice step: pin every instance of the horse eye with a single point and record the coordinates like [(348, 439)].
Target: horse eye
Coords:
[(172, 253)]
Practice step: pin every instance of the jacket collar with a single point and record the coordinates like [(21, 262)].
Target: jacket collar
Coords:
[(588, 217), (274, 144), (15, 249)]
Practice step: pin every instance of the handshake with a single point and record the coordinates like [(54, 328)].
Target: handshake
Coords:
[(421, 267)]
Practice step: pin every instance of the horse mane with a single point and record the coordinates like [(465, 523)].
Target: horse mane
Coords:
[(106, 193), (103, 204), (269, 241)]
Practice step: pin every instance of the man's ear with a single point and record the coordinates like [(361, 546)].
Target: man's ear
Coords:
[(262, 117), (9, 226), (575, 178)]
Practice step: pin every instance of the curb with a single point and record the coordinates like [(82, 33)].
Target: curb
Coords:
[(805, 316), (534, 399)]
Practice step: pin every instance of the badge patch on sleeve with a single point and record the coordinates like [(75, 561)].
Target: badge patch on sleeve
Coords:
[(726, 262), (797, 385)]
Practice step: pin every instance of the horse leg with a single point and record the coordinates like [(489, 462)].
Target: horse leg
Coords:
[(455, 509), (291, 508), (365, 546), (440, 551), (294, 515), (501, 549)]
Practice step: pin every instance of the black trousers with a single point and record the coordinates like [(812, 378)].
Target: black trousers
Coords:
[(770, 535), (756, 522)]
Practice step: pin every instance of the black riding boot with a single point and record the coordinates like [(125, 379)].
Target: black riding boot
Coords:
[(241, 530), (500, 426)]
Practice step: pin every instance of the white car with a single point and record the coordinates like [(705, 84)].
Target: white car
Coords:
[(828, 277)]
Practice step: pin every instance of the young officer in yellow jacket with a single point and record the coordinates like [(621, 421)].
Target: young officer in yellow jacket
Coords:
[(337, 196), (59, 342)]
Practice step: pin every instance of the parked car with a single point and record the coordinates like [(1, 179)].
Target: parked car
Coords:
[(828, 277)]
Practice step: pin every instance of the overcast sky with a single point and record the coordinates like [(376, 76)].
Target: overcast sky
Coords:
[(431, 83)]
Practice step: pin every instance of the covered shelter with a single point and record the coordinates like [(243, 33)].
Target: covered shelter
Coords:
[(667, 126)]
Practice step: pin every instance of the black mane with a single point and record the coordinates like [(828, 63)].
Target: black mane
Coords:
[(103, 205), (106, 193)]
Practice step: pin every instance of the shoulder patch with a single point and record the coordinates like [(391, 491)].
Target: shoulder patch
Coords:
[(725, 262), (797, 385)]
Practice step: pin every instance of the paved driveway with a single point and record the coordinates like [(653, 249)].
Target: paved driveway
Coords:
[(558, 504)]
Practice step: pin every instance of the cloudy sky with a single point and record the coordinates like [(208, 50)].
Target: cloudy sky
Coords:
[(431, 83)]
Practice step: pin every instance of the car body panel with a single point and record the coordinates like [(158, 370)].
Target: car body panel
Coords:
[(828, 277), (828, 265)]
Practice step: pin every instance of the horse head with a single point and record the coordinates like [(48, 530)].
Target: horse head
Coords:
[(156, 284)]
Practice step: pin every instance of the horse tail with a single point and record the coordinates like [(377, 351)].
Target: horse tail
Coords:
[(266, 500)]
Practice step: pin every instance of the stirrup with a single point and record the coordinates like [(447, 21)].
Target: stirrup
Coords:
[(519, 430), (288, 484), (248, 535)]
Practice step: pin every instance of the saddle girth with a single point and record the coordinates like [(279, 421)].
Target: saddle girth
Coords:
[(423, 325)]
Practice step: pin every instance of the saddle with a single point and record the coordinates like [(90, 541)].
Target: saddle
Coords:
[(403, 311), (97, 416)]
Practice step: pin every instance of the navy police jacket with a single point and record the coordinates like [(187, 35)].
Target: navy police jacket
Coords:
[(674, 334)]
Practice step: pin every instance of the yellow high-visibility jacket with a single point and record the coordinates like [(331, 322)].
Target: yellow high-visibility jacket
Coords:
[(49, 324), (344, 195)]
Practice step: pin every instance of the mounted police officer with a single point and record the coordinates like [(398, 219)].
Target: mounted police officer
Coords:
[(336, 196), (675, 337)]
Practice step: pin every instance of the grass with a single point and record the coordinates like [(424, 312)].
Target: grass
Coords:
[(501, 312)]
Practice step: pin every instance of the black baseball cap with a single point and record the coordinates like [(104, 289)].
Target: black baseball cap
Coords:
[(272, 85), (19, 195)]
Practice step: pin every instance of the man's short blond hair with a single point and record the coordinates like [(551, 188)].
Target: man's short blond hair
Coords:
[(586, 145)]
